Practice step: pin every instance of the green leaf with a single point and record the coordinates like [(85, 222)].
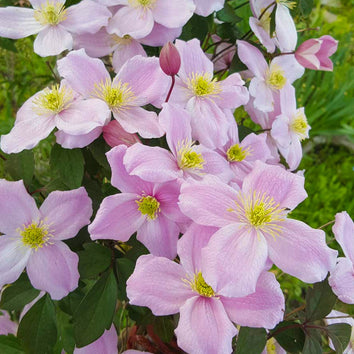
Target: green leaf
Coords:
[(319, 301), (164, 328), (251, 340), (227, 14), (340, 335), (312, 345), (236, 64), (69, 164), (125, 268), (21, 166), (98, 150), (18, 294), (305, 7), (272, 22), (96, 310), (38, 328), (291, 339), (10, 345), (8, 44), (196, 27), (243, 131), (66, 331), (94, 260)]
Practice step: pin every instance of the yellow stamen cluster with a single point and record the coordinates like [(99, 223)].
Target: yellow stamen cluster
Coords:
[(116, 95), (200, 286), (187, 158), (237, 153), (145, 4), (271, 348), (53, 100), (300, 126), (203, 85), (288, 3), (260, 212), (275, 78), (35, 235), (50, 13), (149, 206)]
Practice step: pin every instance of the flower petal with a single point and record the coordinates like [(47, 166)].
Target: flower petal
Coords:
[(343, 230)]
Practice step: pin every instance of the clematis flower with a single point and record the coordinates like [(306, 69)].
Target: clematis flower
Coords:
[(186, 159), (267, 80), (59, 107), (6, 325), (290, 128), (253, 227), (207, 7), (314, 53), (33, 237), (168, 288), (140, 81), (273, 347), (115, 135), (149, 208), (223, 60), (205, 98), (342, 277), (54, 23)]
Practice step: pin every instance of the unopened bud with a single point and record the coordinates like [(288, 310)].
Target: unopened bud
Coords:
[(170, 60), (115, 135)]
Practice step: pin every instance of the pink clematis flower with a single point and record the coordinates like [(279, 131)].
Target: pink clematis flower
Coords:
[(253, 226), (273, 347), (115, 135), (53, 22), (223, 60), (185, 160), (207, 7), (204, 97), (56, 107), (168, 288), (6, 325), (268, 80), (148, 208), (314, 53), (33, 238), (140, 81), (342, 277)]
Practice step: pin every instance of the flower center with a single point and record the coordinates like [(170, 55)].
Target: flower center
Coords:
[(203, 85), (145, 4), (149, 206), (200, 286), (115, 95), (288, 3), (126, 39), (300, 126), (236, 153), (188, 158), (35, 235), (50, 13), (271, 349), (52, 100), (275, 78)]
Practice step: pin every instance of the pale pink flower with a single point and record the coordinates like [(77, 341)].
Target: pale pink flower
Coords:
[(314, 53), (342, 277), (206, 316), (6, 325), (273, 347), (223, 60), (54, 23), (149, 208), (253, 226), (33, 237), (207, 7)]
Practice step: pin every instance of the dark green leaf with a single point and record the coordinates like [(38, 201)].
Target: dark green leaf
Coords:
[(251, 340), (196, 27), (71, 302), (243, 131), (340, 335), (96, 310), (312, 345), (8, 44), (21, 166), (10, 345), (227, 14), (305, 7), (164, 328), (319, 301), (69, 164), (18, 294), (94, 260), (125, 268), (66, 331), (291, 339), (236, 64), (272, 22), (137, 250), (98, 150), (38, 328)]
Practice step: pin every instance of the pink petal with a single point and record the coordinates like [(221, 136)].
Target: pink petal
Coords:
[(14, 257), (173, 14), (54, 269), (252, 57), (285, 29), (232, 246), (17, 207), (157, 283), (68, 141), (286, 188), (263, 96), (16, 22), (342, 280), (292, 69), (6, 325), (52, 41), (117, 218), (206, 7), (161, 35), (67, 212), (204, 327), (343, 230), (262, 34), (82, 72), (302, 251), (264, 308), (95, 15), (159, 236)]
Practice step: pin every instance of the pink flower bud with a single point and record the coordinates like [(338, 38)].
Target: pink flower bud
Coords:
[(114, 135), (170, 60), (314, 53)]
